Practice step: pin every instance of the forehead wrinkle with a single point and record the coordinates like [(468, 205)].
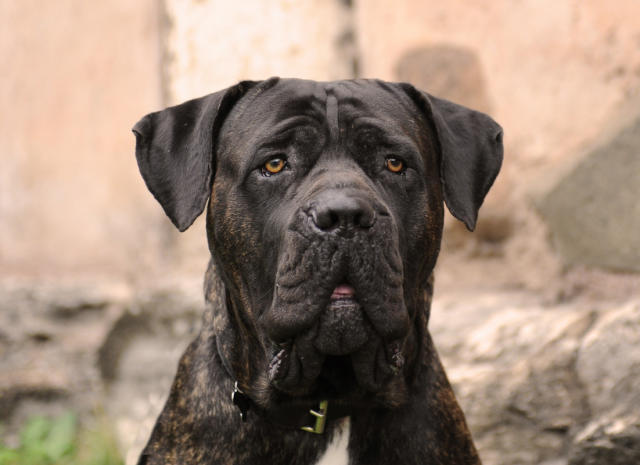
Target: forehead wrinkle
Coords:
[(332, 113), (308, 105), (260, 118), (285, 98)]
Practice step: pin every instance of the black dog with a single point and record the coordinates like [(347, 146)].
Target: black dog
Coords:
[(324, 222)]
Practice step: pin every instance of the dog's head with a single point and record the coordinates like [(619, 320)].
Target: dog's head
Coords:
[(324, 222)]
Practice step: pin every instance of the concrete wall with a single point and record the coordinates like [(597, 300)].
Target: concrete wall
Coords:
[(75, 77), (215, 43)]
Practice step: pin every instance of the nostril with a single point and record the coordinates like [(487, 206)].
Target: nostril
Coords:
[(334, 220), (342, 212), (365, 218), (325, 219)]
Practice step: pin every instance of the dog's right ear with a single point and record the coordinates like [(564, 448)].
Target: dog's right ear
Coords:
[(471, 152), (174, 149)]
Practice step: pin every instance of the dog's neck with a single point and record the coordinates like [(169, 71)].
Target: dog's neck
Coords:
[(438, 429)]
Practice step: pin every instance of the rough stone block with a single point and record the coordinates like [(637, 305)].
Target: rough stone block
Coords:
[(593, 212)]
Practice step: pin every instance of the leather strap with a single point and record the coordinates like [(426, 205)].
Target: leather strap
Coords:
[(311, 419)]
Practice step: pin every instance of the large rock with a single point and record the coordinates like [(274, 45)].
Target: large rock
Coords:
[(139, 357), (608, 366), (93, 345), (50, 333), (536, 381), (610, 441), (593, 213)]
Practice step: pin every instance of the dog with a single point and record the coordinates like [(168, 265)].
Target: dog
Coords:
[(325, 205)]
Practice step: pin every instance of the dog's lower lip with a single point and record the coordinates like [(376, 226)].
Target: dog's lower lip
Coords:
[(343, 291)]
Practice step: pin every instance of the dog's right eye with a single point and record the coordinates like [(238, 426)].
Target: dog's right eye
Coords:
[(273, 166), (395, 165)]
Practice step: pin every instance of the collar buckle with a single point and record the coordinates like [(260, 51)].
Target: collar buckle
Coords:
[(321, 418)]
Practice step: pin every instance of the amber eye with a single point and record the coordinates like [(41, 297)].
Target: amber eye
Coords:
[(274, 166), (394, 165)]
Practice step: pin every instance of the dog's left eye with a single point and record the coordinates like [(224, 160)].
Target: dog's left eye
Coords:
[(394, 165), (273, 166)]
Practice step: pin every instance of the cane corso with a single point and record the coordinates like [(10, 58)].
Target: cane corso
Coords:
[(325, 205)]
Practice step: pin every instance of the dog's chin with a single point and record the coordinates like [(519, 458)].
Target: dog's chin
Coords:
[(339, 383), (342, 328), (341, 357)]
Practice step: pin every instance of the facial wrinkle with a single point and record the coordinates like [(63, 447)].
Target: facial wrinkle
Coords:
[(332, 114)]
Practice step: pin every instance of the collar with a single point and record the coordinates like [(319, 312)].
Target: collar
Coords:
[(312, 419)]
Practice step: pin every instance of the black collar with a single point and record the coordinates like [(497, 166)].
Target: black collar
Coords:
[(312, 419)]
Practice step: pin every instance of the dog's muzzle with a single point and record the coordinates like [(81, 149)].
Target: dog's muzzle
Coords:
[(338, 295)]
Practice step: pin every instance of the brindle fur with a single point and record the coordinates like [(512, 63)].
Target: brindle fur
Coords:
[(411, 417), (200, 425)]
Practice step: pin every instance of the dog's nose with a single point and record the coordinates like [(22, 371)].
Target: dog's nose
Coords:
[(342, 212)]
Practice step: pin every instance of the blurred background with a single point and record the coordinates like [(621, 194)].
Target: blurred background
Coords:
[(537, 313)]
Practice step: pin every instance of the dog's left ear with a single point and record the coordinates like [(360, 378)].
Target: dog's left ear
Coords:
[(471, 151), (174, 149)]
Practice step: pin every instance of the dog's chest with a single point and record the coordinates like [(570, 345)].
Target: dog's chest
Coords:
[(336, 453)]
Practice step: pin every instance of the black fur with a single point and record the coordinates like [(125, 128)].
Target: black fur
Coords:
[(320, 280)]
